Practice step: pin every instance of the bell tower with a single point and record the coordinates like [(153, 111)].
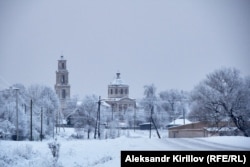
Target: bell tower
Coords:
[(62, 86)]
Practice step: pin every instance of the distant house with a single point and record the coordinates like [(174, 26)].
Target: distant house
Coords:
[(73, 116), (178, 122), (146, 126), (202, 129), (190, 130), (122, 125)]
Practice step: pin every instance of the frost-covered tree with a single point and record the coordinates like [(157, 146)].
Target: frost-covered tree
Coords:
[(129, 117), (223, 95), (10, 100), (7, 106), (45, 100), (151, 105), (149, 98), (173, 102), (87, 114), (71, 107)]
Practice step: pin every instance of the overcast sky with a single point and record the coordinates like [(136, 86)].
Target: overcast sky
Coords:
[(172, 44)]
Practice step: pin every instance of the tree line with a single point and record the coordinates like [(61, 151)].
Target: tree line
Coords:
[(223, 96), (222, 99), (27, 113)]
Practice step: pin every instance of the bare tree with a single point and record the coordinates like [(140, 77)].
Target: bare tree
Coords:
[(224, 95)]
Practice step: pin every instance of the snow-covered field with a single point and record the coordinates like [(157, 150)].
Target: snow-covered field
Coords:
[(105, 152)]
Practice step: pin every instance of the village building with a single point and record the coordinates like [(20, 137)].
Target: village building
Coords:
[(202, 129), (178, 122), (118, 96)]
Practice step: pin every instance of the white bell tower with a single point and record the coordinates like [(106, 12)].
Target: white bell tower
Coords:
[(62, 86)]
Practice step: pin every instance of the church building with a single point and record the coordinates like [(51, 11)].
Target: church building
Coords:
[(118, 95), (62, 86)]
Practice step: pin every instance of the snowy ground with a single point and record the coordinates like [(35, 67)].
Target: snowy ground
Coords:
[(106, 152)]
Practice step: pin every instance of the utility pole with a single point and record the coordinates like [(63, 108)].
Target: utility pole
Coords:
[(59, 121), (112, 112), (99, 117), (25, 108), (97, 126), (152, 121), (53, 124), (41, 133), (158, 134), (31, 120), (56, 120), (151, 113), (17, 129), (184, 116), (134, 118)]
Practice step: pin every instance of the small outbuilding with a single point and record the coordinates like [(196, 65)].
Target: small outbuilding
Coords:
[(202, 129), (146, 126), (190, 130)]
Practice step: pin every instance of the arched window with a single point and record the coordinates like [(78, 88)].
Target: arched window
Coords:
[(116, 91), (121, 91), (63, 79), (63, 66), (111, 91), (126, 91)]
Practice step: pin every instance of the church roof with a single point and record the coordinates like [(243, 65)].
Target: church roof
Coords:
[(119, 99)]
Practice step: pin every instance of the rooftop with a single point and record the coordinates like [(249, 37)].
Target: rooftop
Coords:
[(118, 80)]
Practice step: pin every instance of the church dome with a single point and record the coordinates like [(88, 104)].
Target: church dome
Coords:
[(118, 80)]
